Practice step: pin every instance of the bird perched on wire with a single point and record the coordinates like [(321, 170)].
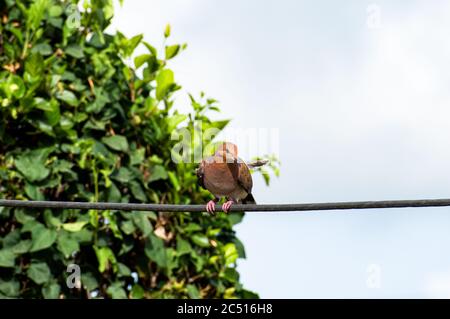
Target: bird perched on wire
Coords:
[(224, 174)]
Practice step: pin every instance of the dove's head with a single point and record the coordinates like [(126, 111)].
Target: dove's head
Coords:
[(227, 151), (227, 147)]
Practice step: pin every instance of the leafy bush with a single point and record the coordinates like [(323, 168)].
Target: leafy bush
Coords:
[(77, 123)]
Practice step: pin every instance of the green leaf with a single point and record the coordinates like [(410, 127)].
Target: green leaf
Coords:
[(75, 226), (137, 292), (67, 245), (33, 192), (51, 291), (174, 180), (23, 217), (235, 217), (151, 48), (266, 176), (42, 239), (34, 68), (128, 45), (127, 246), (230, 274), (112, 223), (56, 22), (39, 273), (127, 227), (11, 239), (198, 261), (105, 257), (137, 191), (154, 250), (42, 104), (141, 59), (10, 288), (43, 49), (114, 194), (240, 248), (84, 236), (116, 142), (7, 258), (172, 51), (36, 13), (116, 291), (51, 220), (192, 227), (230, 253), (133, 43), (164, 81), (14, 87), (157, 172), (30, 168), (200, 240), (32, 226), (53, 115), (21, 247), (68, 97), (55, 11), (123, 175), (193, 292), (174, 120), (220, 125), (89, 281), (141, 221), (123, 270), (75, 51), (167, 31), (183, 246), (137, 156)]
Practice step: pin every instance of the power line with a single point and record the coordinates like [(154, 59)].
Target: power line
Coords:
[(236, 207)]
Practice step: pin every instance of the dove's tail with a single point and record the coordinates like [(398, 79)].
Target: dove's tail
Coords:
[(249, 199), (257, 163)]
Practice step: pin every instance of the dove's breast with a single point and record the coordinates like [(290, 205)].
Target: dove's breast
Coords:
[(219, 180)]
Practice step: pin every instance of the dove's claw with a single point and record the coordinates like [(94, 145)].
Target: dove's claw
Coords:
[(226, 206), (211, 207)]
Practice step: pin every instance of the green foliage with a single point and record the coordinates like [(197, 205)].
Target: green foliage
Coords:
[(78, 124)]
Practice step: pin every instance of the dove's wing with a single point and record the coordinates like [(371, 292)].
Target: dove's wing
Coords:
[(201, 174), (244, 177)]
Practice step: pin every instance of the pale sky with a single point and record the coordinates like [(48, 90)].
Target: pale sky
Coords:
[(362, 110)]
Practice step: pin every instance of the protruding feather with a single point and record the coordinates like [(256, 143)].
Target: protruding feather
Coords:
[(257, 163)]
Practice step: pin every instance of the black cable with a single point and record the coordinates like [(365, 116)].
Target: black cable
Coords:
[(235, 207)]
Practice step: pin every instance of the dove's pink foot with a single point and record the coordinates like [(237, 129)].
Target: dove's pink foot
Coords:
[(226, 206), (211, 207)]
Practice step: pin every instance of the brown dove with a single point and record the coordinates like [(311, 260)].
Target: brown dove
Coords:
[(224, 174)]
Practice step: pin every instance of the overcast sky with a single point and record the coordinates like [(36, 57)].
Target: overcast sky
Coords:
[(359, 95)]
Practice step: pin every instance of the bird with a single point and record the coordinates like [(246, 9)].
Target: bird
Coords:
[(224, 174)]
